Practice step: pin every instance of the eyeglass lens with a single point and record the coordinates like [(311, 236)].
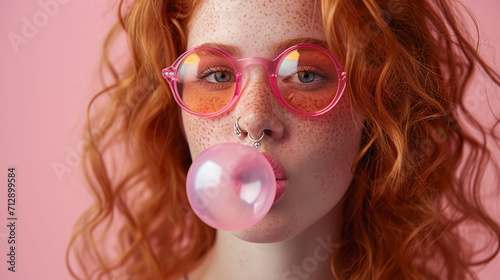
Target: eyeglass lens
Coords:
[(307, 80)]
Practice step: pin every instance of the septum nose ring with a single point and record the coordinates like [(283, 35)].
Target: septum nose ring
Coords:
[(238, 130)]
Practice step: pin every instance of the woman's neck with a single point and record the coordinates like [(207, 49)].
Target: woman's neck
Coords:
[(304, 256)]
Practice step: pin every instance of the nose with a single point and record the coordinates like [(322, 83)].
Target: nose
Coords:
[(259, 111)]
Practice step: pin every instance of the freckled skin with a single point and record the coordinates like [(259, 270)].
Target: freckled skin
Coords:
[(316, 152)]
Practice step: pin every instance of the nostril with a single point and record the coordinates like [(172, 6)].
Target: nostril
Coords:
[(268, 132)]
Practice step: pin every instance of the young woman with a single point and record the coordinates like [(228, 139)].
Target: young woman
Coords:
[(377, 178)]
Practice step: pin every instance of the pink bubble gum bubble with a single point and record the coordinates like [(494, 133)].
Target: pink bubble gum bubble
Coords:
[(231, 186)]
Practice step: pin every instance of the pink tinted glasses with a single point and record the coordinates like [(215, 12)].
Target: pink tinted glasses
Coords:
[(306, 79)]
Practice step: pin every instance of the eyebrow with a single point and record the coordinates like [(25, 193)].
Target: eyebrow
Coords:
[(283, 45), (276, 48), (232, 50)]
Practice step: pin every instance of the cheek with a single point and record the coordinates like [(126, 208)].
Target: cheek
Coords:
[(326, 148), (341, 139), (334, 135), (202, 133)]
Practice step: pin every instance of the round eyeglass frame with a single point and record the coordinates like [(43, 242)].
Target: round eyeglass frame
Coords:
[(170, 74)]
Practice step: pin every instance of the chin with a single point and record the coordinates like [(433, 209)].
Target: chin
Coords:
[(273, 228)]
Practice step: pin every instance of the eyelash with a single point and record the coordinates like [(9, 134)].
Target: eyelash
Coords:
[(203, 74), (201, 77), (314, 85)]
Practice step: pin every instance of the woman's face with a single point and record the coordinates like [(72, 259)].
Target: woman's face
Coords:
[(316, 152)]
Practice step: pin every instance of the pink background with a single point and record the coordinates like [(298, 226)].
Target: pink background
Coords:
[(45, 85)]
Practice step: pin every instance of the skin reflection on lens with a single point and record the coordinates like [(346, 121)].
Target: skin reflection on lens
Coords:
[(202, 101), (309, 102), (307, 80), (197, 87)]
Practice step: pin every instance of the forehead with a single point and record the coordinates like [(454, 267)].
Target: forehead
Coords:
[(253, 26)]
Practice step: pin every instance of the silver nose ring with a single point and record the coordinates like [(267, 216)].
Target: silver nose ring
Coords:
[(256, 143), (238, 130)]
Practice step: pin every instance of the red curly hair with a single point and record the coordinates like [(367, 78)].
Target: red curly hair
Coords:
[(417, 176)]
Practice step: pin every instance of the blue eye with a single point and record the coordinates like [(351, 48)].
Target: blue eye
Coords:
[(306, 77), (219, 77)]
